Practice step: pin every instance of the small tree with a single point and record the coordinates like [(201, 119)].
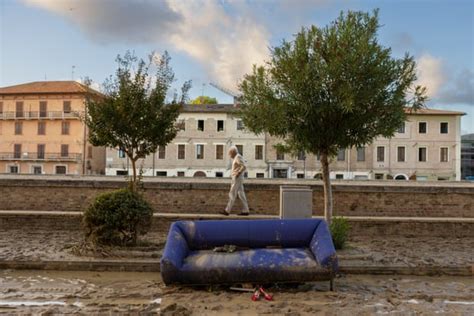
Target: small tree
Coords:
[(135, 115), (330, 88), (204, 99)]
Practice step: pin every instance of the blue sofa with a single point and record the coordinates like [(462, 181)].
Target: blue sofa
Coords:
[(296, 250)]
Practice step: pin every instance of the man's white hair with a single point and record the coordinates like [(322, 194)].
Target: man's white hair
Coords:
[(234, 149)]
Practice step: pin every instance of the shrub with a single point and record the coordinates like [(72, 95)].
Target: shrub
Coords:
[(339, 230), (117, 218)]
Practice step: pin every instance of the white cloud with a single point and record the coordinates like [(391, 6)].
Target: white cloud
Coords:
[(430, 74)]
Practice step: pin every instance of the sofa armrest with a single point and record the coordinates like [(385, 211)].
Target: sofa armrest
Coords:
[(323, 248), (176, 248)]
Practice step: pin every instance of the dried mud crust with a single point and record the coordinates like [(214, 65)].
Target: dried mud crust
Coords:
[(354, 295)]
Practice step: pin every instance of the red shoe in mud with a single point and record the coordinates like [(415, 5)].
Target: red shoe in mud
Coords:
[(267, 296)]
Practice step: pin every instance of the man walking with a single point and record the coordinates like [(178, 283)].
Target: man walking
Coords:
[(237, 184)]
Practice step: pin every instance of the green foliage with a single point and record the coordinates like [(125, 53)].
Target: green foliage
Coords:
[(203, 99), (339, 228), (330, 88), (117, 218), (135, 114)]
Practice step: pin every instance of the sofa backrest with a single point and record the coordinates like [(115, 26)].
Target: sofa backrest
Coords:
[(248, 233)]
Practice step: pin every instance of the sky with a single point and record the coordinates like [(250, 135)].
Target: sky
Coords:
[(219, 41)]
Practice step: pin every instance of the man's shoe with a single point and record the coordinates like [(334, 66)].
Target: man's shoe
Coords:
[(224, 213), (244, 214)]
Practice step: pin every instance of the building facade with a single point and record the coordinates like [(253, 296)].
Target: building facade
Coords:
[(427, 147), (467, 157), (41, 130), (200, 148)]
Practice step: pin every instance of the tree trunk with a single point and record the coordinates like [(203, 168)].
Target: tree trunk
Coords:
[(327, 188), (133, 183)]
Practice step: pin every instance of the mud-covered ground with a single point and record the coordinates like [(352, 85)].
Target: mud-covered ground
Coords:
[(354, 295), (112, 293), (381, 250), (79, 293)]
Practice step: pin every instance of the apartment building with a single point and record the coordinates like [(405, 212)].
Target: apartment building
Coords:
[(200, 148), (426, 147), (467, 157), (41, 130)]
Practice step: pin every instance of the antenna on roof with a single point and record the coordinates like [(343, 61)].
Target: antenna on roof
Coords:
[(72, 72), (236, 95)]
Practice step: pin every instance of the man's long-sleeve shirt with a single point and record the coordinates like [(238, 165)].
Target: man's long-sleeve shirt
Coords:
[(238, 166)]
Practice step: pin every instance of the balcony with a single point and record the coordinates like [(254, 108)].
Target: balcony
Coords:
[(35, 115), (46, 157)]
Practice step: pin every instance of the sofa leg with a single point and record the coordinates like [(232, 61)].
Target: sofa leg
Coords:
[(331, 285)]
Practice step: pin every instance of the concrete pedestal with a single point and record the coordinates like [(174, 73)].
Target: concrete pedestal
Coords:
[(296, 202)]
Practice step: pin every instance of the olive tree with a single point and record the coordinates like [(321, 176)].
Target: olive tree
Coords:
[(330, 88)]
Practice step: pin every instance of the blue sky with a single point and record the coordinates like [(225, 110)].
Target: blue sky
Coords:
[(218, 41)]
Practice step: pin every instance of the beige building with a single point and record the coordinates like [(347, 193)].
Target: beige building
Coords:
[(427, 147), (200, 148), (41, 131)]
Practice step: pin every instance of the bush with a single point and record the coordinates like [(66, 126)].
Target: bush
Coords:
[(117, 218), (339, 230)]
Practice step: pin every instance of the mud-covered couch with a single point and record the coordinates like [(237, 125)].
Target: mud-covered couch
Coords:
[(266, 251)]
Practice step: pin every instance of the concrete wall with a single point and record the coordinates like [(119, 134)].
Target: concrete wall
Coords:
[(429, 199)]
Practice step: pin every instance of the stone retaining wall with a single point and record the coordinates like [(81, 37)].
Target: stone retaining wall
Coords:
[(204, 196)]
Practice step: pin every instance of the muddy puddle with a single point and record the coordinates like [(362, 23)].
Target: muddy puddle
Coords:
[(87, 293)]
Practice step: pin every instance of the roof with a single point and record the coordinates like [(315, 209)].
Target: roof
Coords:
[(47, 87), (204, 108), (426, 111)]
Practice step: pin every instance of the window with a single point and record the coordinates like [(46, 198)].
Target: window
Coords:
[(318, 157), (220, 125), (18, 128), (1, 108), (19, 109), (339, 176), (65, 128), (443, 178), (379, 176), (219, 174), (240, 149), (422, 127), (43, 108), (341, 154), (89, 152), (40, 150), (64, 150), (380, 154), (182, 125), (301, 155), (240, 125), (443, 154), (121, 172), (180, 173), (67, 107), (17, 151), (60, 169), (121, 153), (200, 125), (37, 170), (13, 169), (300, 175), (401, 154), (219, 152), (161, 152), (161, 173), (41, 128), (361, 154), (280, 173), (260, 175), (199, 151), (443, 127), (258, 152), (280, 155), (422, 154), (401, 129), (181, 151)]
